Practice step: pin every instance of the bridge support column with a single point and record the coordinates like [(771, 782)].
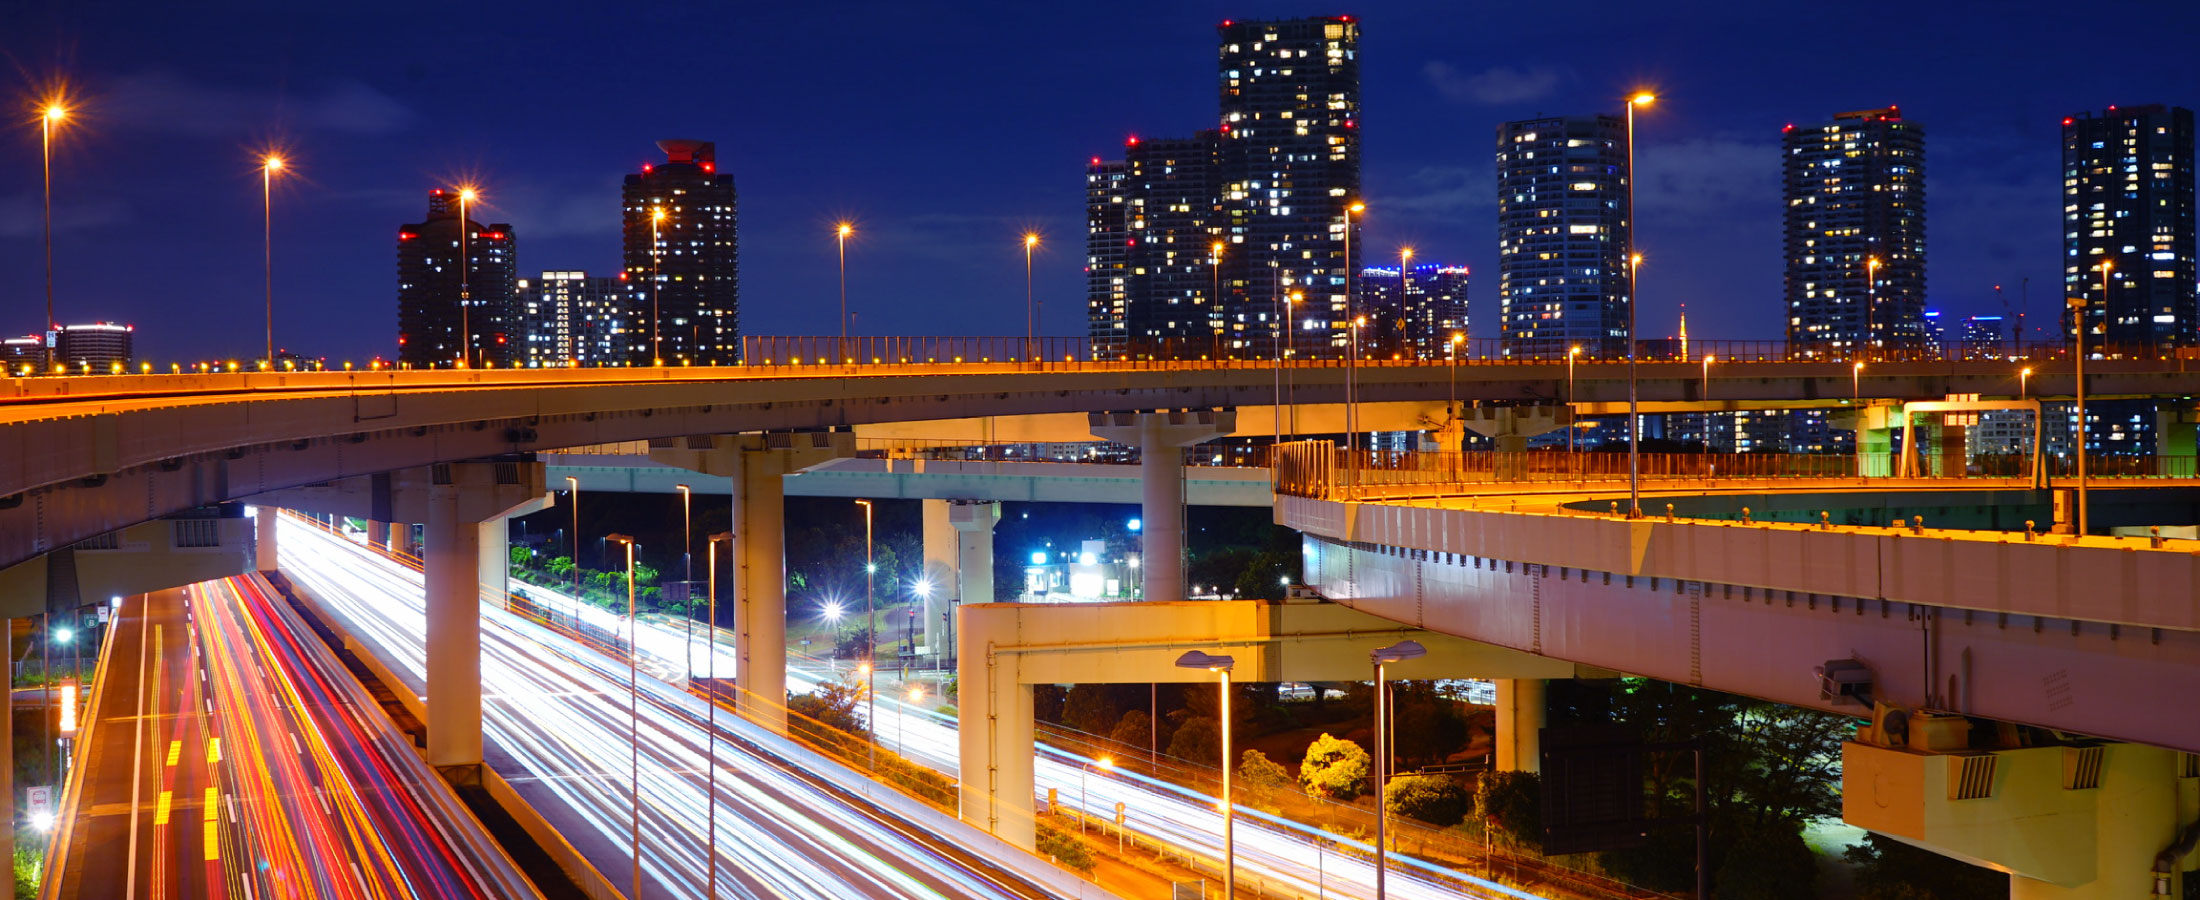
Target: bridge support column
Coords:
[(1520, 716), (756, 463), (263, 538), (1510, 427), (1949, 445), (1161, 438), (467, 504), (2177, 436), (2067, 823), (942, 569), (7, 746), (378, 535), (958, 557)]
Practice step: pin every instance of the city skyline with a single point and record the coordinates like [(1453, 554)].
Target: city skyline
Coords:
[(162, 157)]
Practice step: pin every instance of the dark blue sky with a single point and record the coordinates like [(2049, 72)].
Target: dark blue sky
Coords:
[(945, 131)]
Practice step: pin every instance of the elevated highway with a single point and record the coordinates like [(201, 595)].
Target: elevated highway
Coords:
[(84, 456)]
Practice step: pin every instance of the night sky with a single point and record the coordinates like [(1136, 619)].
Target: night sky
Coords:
[(944, 132)]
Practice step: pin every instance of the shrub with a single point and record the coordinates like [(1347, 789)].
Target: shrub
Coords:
[(1261, 778), (1135, 730), (1064, 848), (1334, 768), (1513, 801), (1198, 741), (1434, 799)]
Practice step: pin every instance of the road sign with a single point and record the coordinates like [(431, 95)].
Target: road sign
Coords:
[(38, 802)]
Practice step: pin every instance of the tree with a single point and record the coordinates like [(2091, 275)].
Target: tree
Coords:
[(1198, 741), (1089, 708), (1435, 799), (1335, 768), (1768, 864), (828, 716), (1790, 765), (1887, 869), (1262, 778), (1134, 730), (1513, 803), (561, 568)]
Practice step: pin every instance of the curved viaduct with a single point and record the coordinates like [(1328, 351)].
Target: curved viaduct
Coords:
[(81, 457)]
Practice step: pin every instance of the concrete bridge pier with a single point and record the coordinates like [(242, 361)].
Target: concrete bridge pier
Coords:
[(1510, 427), (1161, 438), (1521, 713), (467, 505), (958, 558), (2177, 436), (756, 464)]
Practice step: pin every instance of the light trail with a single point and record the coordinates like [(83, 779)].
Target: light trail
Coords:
[(555, 724)]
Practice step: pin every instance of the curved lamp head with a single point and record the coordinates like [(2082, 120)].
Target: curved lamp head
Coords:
[(1398, 652), (1195, 659)]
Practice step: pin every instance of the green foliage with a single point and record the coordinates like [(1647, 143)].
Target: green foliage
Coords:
[(1135, 729), (522, 558), (1435, 799), (951, 687), (1198, 741), (1513, 802), (1887, 869), (1089, 708), (1767, 864), (922, 781), (1428, 724), (1064, 848), (1335, 768), (28, 860), (829, 716), (561, 568)]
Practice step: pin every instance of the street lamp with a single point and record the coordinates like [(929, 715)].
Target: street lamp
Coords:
[(1214, 310), (1871, 303), (466, 197), (1572, 353), (687, 563), (656, 272), (573, 490), (50, 118), (710, 712), (1381, 657), (2024, 379), (1031, 309), (634, 715), (1352, 351), (840, 235), (1634, 265), (870, 640), (1706, 392), (1195, 659), (1084, 808), (269, 165), (2077, 321), (1405, 283), (1451, 389)]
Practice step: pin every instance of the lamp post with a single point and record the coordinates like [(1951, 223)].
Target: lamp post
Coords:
[(1572, 353), (840, 235), (634, 717), (1084, 808), (870, 640), (269, 165), (573, 491), (1871, 304), (687, 564), (656, 271), (2024, 380), (1215, 304), (1634, 265), (1194, 659), (1706, 392), (1031, 306), (710, 712), (466, 197), (49, 118), (2077, 316), (1352, 355), (1451, 386), (1405, 283), (1381, 657)]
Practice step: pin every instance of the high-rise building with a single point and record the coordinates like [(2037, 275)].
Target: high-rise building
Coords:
[(1562, 236), (571, 318), (1984, 337), (97, 347), (683, 258), (1290, 168), (439, 300), (18, 353), (1153, 273), (2128, 201), (1424, 308), (1855, 233), (1107, 259)]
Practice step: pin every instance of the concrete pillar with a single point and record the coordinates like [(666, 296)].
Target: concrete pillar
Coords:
[(2177, 436), (263, 538), (7, 747), (1873, 446), (1160, 438), (378, 534), (400, 538), (974, 523), (1955, 459), (453, 576), (760, 589), (2135, 817), (1520, 717), (996, 708), (495, 559), (1509, 428), (942, 564)]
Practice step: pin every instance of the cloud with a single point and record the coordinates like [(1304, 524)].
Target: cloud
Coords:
[(1493, 86), (22, 215), (1443, 194), (1710, 179), (166, 103)]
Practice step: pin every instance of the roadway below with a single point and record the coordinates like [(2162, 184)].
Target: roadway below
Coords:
[(1286, 858), (557, 728), (226, 759)]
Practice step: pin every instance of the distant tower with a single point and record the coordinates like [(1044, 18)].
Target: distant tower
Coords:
[(1562, 236), (1152, 220), (1855, 192), (573, 318), (1414, 316), (1290, 160), (2128, 200), (429, 322), (687, 287)]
